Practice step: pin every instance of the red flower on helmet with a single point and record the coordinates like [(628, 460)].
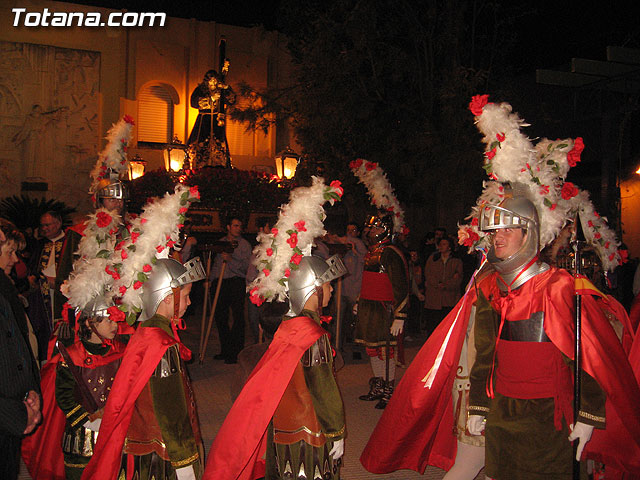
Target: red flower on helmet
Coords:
[(124, 254), (500, 137), (146, 268), (183, 210), (490, 154), (129, 119), (544, 189), (569, 190), (274, 231), (295, 258), (293, 240), (266, 272), (371, 166), (573, 157), (122, 290), (336, 185), (137, 285), (269, 252), (115, 314), (355, 164), (103, 219), (300, 226), (193, 191), (477, 103), (287, 272)]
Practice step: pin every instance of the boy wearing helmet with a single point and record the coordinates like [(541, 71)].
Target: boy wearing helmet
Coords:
[(151, 415)]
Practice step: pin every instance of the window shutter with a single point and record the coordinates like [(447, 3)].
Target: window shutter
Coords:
[(155, 115)]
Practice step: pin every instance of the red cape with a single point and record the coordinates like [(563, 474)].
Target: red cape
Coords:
[(416, 428), (143, 352), (238, 448), (42, 452)]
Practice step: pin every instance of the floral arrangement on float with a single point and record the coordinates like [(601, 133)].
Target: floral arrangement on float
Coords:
[(380, 191), (279, 252), (511, 158)]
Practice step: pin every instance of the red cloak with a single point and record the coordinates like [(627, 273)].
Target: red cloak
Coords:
[(141, 357), (42, 451), (237, 451), (417, 427)]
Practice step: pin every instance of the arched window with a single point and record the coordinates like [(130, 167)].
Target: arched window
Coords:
[(155, 114)]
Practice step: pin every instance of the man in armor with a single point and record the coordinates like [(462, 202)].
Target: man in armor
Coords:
[(151, 414), (382, 306), (111, 194), (303, 414), (521, 381)]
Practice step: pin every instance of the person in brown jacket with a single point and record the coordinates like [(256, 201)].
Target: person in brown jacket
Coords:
[(443, 275)]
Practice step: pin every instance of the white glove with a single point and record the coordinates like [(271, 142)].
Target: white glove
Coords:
[(475, 424), (396, 327), (93, 424), (186, 473), (338, 449), (582, 432)]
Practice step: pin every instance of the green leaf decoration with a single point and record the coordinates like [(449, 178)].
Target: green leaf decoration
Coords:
[(550, 162), (142, 277), (297, 250), (289, 232), (563, 145), (103, 254), (547, 202), (282, 282), (494, 144)]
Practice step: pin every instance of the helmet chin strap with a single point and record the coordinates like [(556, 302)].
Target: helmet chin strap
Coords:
[(176, 302), (320, 294)]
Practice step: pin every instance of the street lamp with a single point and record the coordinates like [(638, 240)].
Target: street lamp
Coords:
[(286, 163), (136, 167), (174, 155)]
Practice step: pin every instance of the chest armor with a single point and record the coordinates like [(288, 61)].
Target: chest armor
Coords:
[(372, 260), (528, 330), (99, 381)]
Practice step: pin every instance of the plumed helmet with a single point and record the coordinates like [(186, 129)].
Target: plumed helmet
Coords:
[(383, 220), (513, 212), (167, 274), (312, 272), (97, 307)]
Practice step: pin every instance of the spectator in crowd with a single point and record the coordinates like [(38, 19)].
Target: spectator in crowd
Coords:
[(232, 291), (442, 279), (45, 301), (416, 297), (19, 378)]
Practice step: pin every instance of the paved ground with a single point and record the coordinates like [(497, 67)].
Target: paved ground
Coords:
[(214, 383)]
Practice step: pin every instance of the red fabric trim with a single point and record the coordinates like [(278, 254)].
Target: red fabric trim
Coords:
[(537, 379), (143, 352), (236, 453), (376, 286), (79, 228)]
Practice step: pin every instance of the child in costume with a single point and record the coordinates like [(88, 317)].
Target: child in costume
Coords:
[(84, 377), (298, 426)]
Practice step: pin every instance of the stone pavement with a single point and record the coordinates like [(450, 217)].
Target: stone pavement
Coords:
[(214, 383)]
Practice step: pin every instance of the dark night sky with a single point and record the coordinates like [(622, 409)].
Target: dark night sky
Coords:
[(550, 33)]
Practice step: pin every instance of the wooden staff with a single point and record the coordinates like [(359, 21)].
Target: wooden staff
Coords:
[(205, 303), (213, 311)]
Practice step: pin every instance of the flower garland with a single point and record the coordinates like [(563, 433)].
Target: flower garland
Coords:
[(539, 171), (153, 233), (380, 191), (279, 252), (113, 159), (91, 276)]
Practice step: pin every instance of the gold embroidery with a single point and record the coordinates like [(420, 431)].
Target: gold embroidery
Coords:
[(79, 419), (478, 409), (591, 417), (186, 461), (74, 410)]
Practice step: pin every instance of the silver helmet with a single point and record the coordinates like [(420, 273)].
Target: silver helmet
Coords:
[(111, 187), (97, 307), (312, 272), (166, 275), (514, 212)]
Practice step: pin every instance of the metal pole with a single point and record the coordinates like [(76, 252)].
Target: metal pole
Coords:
[(339, 315), (205, 302), (577, 352)]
